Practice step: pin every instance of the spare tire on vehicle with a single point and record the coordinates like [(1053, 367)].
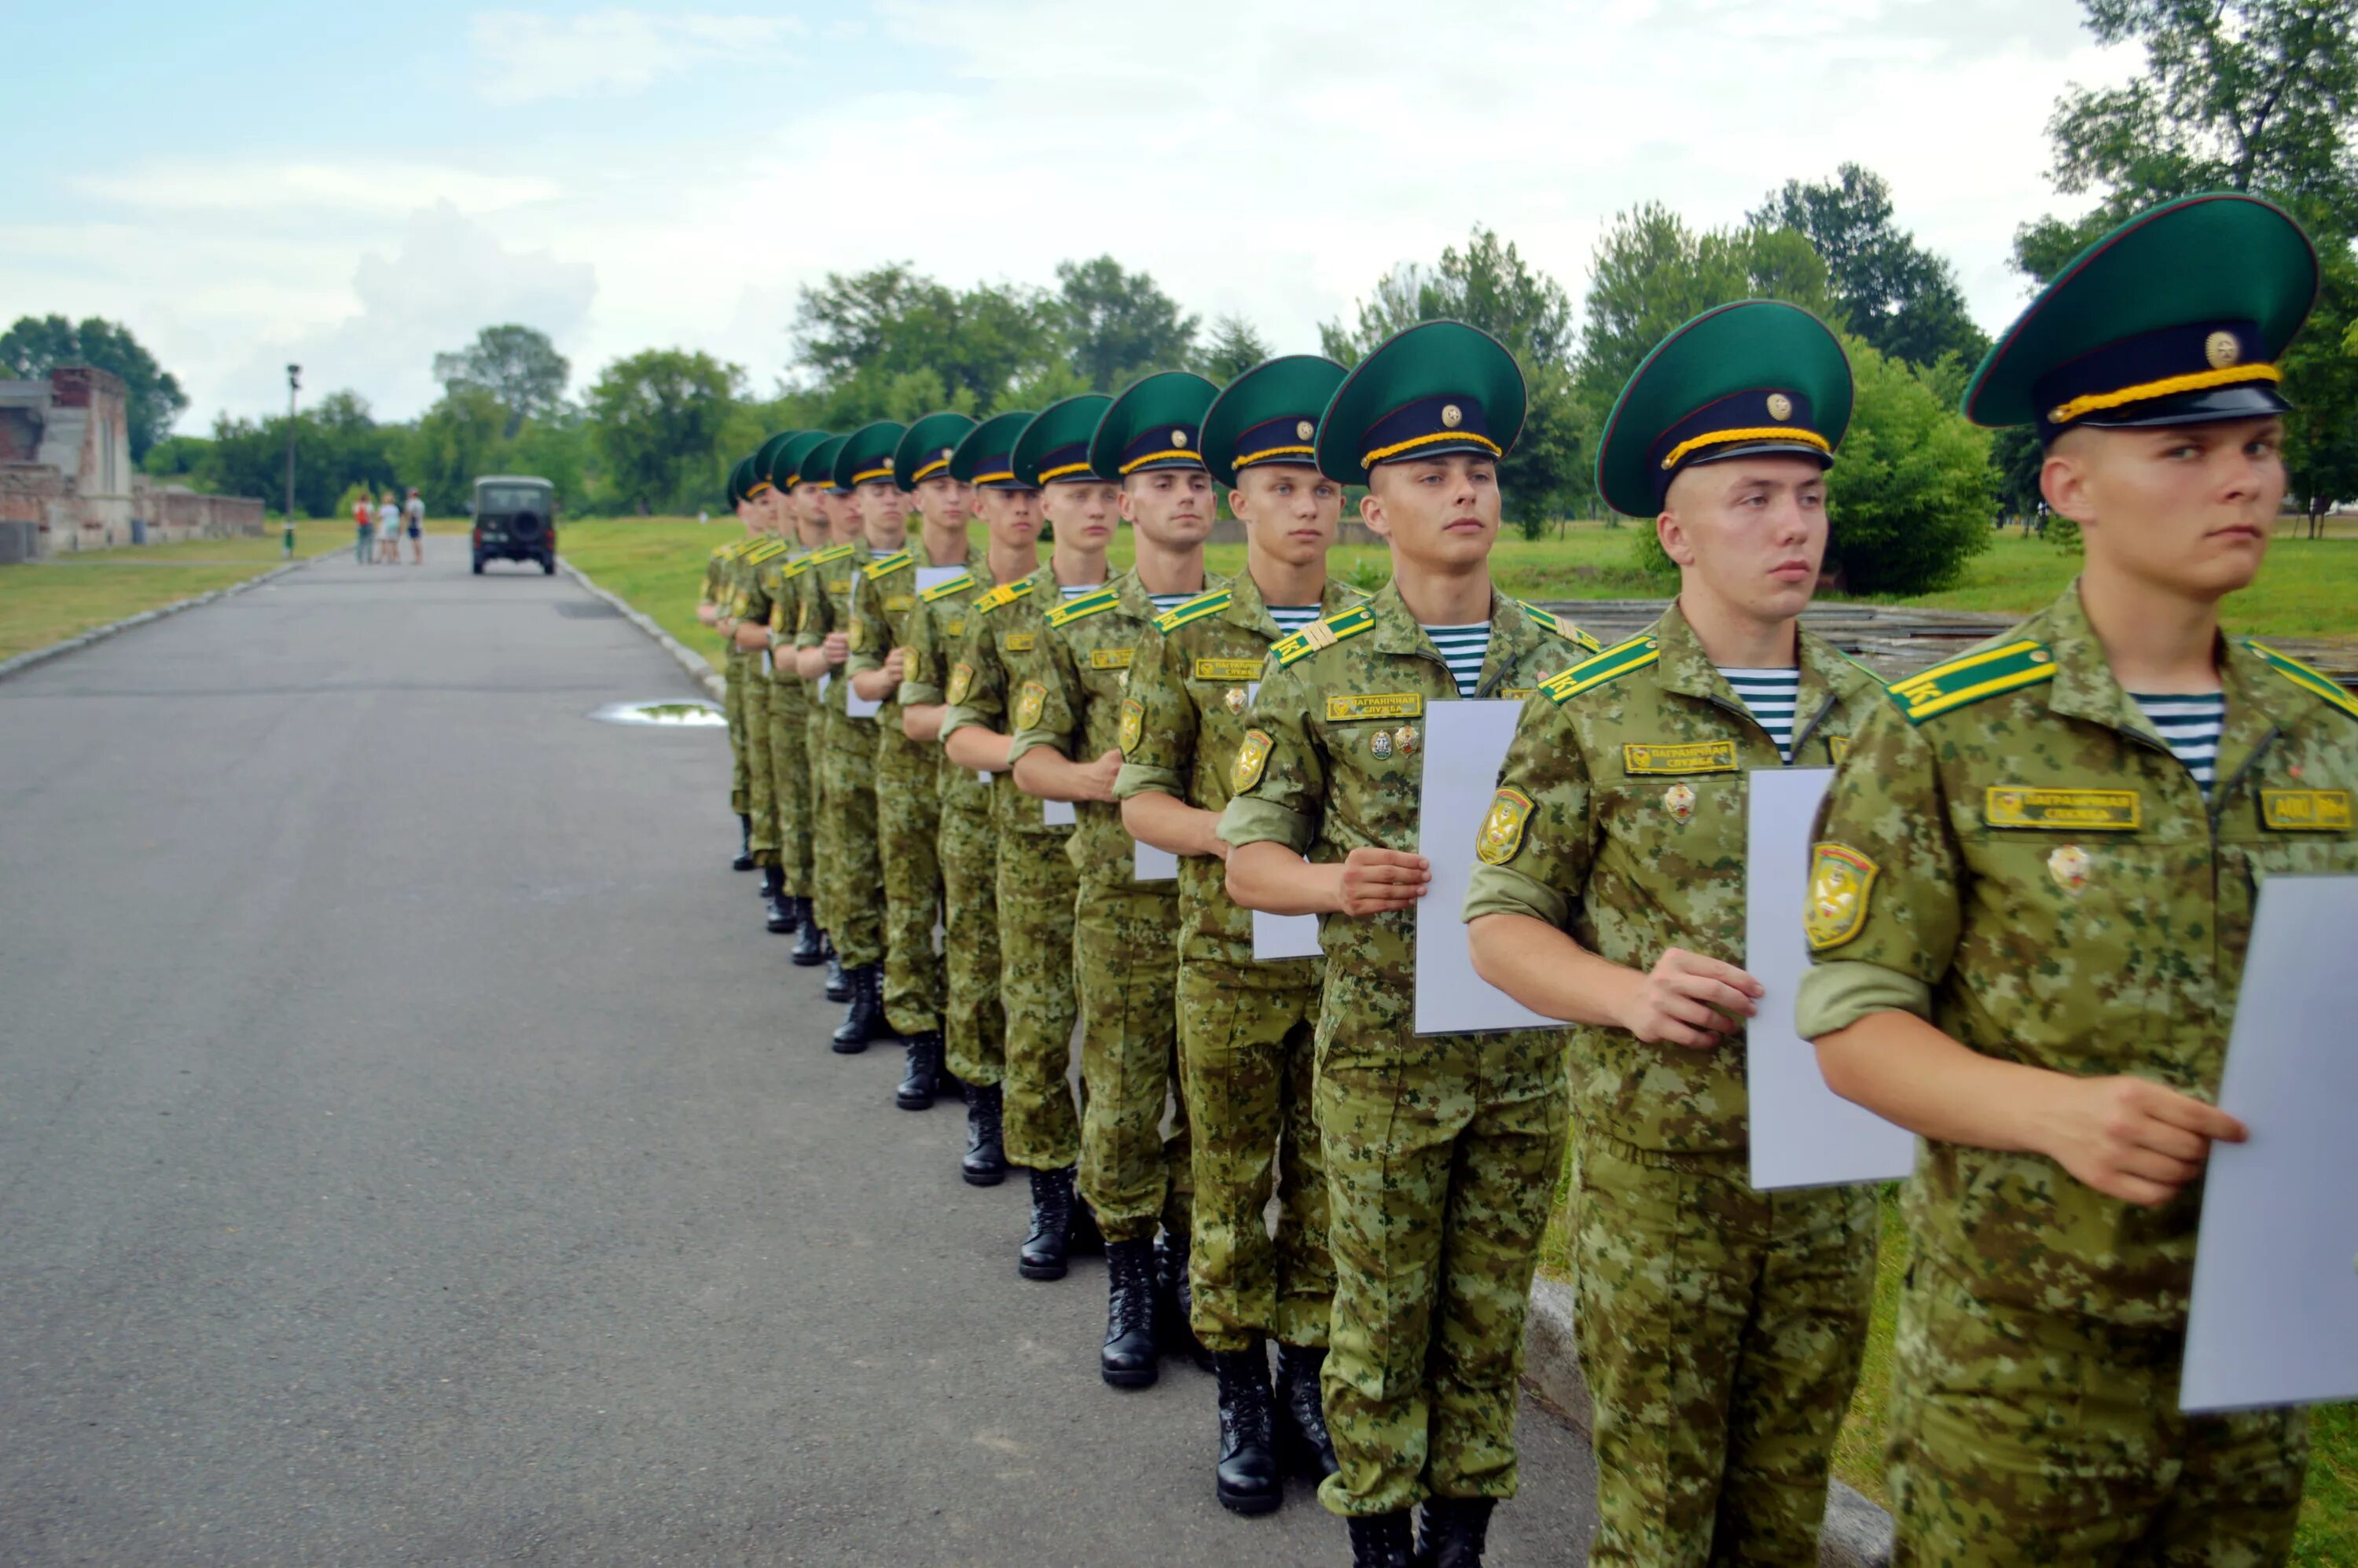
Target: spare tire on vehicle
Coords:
[(523, 526)]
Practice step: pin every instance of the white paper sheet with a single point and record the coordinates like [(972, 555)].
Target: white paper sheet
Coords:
[(1803, 1134), (2274, 1316), (1464, 743), (1057, 813), (1279, 936), (825, 679), (1149, 864)]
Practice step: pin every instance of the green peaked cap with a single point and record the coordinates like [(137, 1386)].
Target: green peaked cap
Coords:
[(818, 464), (1055, 445), (867, 453), (2177, 315), (1270, 414), (1156, 423), (786, 456), (1757, 375), (992, 442), (766, 460), (926, 447), (741, 475), (1429, 390)]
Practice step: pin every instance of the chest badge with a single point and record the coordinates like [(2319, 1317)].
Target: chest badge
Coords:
[(1235, 699), (2070, 866), (1679, 800), (1380, 743), (1404, 740)]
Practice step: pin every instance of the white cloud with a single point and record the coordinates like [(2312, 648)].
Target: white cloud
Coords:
[(521, 58), (390, 186)]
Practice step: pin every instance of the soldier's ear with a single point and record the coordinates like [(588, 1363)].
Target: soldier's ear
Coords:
[(1673, 536), (1372, 513), (2065, 476)]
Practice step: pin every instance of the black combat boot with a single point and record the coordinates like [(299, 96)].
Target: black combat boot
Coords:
[(1382, 1540), (1454, 1532), (839, 987), (985, 1164), (864, 1020), (1246, 1481), (1174, 1302), (744, 861), (781, 915), (921, 1081), (1302, 1444), (1043, 1257), (810, 947), (1128, 1360)]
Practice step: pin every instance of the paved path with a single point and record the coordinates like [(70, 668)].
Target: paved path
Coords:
[(413, 1150)]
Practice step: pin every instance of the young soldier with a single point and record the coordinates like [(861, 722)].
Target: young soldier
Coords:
[(974, 1032), (814, 609), (711, 607), (747, 626), (1068, 721), (1037, 878), (884, 606), (1721, 1326), (2030, 906), (1442, 1152), (754, 633), (790, 703), (1245, 1028)]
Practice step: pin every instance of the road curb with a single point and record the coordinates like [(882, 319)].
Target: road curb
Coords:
[(27, 660), (1856, 1532), (698, 667)]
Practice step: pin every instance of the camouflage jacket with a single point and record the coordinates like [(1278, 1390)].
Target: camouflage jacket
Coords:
[(1196, 671), (1620, 818), (789, 690), (884, 608), (2011, 851), (825, 608), (1333, 760), (936, 632), (1073, 703), (1001, 646), (751, 574)]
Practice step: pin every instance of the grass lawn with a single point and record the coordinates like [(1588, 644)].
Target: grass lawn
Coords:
[(48, 601)]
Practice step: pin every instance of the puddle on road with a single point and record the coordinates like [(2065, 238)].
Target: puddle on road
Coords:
[(663, 715)]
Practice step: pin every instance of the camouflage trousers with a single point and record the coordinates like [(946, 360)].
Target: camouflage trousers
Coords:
[(1720, 1330), (822, 832), (790, 782), (975, 1025), (1125, 965), (2022, 1438), (733, 705), (1247, 1050), (908, 823), (847, 865), (1441, 1158), (1042, 1126), (761, 803)]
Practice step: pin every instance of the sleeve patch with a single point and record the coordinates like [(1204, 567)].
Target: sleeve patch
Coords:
[(961, 683), (1031, 705), (1840, 881), (1133, 724), (1251, 757), (1502, 829)]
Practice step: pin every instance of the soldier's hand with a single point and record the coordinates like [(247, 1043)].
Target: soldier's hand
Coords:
[(1690, 1001), (1374, 881), (896, 665), (837, 645), (1095, 779), (2131, 1139)]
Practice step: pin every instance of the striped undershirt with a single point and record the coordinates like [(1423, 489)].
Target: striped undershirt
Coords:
[(1770, 696), (1074, 589), (1166, 602), (2189, 726), (1463, 649), (1293, 618)]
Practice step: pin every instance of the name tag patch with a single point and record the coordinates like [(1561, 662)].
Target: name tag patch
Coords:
[(898, 601), (1351, 708), (2305, 810), (1228, 669), (954, 628), (1661, 759), (1111, 658), (1020, 641), (2063, 810)]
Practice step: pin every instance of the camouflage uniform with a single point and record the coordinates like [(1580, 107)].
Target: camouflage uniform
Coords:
[(975, 1025), (1125, 932), (1720, 1328), (908, 809), (719, 572), (849, 871), (790, 753), (1036, 880), (756, 578), (2011, 851), (1245, 1029), (1441, 1150)]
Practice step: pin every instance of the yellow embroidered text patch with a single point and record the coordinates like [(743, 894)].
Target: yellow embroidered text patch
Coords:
[(2063, 810), (1663, 758), (1228, 669), (2305, 810), (1349, 707)]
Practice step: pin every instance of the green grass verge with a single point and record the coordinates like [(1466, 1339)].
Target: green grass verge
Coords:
[(48, 601)]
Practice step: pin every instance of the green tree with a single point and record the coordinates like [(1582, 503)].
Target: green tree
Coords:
[(152, 397), (1236, 347), (1892, 292), (657, 417), (460, 439), (517, 365), (1120, 325), (2321, 382), (1911, 496), (859, 335), (338, 444)]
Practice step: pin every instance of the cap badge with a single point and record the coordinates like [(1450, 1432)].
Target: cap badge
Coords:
[(2221, 349), (1780, 407), (1305, 431), (1451, 417), (1178, 438)]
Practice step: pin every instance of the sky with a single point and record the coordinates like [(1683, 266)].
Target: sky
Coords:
[(354, 189)]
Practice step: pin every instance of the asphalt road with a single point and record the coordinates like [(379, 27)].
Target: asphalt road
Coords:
[(413, 1150)]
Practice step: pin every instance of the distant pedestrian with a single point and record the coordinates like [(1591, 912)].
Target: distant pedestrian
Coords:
[(388, 531), (416, 513), (364, 529)]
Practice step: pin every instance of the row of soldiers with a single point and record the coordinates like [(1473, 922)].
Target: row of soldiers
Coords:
[(999, 796)]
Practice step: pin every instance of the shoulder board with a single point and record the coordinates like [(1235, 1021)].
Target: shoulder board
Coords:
[(1611, 664), (1990, 673), (1195, 608), (798, 566), (941, 590), (1560, 626), (2315, 682), (1081, 609), (830, 554), (885, 566), (721, 552), (1322, 634), (1006, 594), (764, 550)]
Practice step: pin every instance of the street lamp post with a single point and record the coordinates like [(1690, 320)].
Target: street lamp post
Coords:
[(294, 380)]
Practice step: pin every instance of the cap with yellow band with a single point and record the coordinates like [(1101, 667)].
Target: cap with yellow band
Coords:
[(1053, 448), (765, 472), (924, 450), (818, 464), (741, 474), (1435, 390), (788, 455), (867, 454), (985, 458), (1156, 423), (1269, 415)]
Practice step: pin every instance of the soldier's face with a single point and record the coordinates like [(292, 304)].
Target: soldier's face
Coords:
[(1441, 514), (2185, 507), (1083, 511), (842, 517), (884, 506), (1749, 531), (945, 503), (1171, 507), (1290, 513), (810, 513), (1011, 515)]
